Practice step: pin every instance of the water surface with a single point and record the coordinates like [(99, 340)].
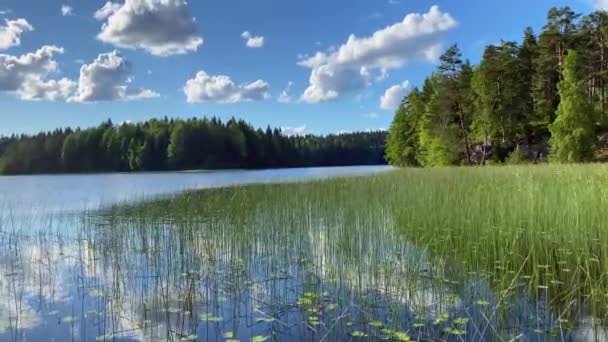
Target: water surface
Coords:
[(320, 262), (42, 194)]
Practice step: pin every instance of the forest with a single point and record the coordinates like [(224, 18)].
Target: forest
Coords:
[(544, 99), (176, 144)]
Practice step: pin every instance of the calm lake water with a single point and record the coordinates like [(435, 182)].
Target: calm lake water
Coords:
[(43, 194), (283, 263)]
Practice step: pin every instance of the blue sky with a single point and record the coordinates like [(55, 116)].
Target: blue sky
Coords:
[(140, 59)]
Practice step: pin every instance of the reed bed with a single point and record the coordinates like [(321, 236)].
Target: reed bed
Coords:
[(518, 250), (451, 254)]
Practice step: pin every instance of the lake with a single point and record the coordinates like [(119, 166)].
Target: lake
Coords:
[(59, 280), (405, 255), (44, 194)]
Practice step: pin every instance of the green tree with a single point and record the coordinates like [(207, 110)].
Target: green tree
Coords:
[(438, 140), (572, 134), (500, 110), (592, 42), (454, 100), (557, 37), (527, 59), (402, 141)]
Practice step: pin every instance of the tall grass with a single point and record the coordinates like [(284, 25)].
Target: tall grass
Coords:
[(536, 234), (540, 229), (457, 254)]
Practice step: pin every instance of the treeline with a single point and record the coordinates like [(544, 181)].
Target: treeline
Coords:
[(542, 99), (169, 144)]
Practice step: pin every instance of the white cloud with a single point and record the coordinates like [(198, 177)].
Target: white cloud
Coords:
[(285, 96), (352, 66), (106, 79), (601, 4), (67, 10), (26, 75), (5, 12), (294, 131), (252, 41), (221, 89), (394, 95), (107, 10), (52, 90), (10, 34), (160, 27), (371, 115)]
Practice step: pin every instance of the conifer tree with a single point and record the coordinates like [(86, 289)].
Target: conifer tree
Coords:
[(572, 135)]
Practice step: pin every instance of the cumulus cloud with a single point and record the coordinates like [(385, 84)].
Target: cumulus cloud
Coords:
[(285, 96), (221, 89), (52, 90), (67, 10), (160, 27), (106, 79), (252, 41), (26, 75), (352, 65), (107, 10), (394, 95), (10, 33)]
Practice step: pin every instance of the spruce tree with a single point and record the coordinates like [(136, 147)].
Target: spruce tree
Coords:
[(572, 135), (402, 144)]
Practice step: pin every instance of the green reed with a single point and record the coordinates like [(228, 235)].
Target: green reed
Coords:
[(535, 231)]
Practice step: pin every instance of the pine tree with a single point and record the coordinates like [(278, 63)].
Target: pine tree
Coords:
[(572, 135), (556, 38), (527, 57), (500, 110), (592, 42), (454, 99), (402, 141)]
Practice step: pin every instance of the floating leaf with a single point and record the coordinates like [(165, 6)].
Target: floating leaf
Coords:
[(104, 337), (331, 307), (96, 293), (358, 333), (482, 302), (441, 318), (376, 324), (265, 319), (207, 317), (457, 332), (259, 338), (68, 319), (401, 336), (461, 320)]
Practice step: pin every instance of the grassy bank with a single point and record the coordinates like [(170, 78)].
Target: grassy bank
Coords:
[(534, 236)]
